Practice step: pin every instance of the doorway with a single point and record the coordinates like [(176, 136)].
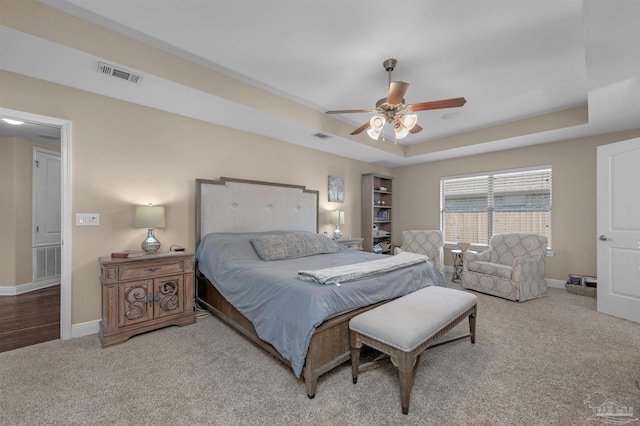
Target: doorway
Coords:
[(65, 208)]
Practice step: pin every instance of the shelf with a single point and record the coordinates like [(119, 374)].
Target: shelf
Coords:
[(381, 215)]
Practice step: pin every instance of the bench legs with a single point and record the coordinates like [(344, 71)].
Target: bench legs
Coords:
[(406, 362), (356, 345)]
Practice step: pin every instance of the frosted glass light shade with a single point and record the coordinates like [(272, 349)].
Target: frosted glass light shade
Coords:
[(404, 123), (401, 131), (376, 123), (409, 121)]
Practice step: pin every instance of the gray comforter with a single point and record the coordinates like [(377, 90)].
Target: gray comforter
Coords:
[(285, 310)]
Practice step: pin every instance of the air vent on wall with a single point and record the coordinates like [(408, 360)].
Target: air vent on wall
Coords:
[(320, 135), (114, 71)]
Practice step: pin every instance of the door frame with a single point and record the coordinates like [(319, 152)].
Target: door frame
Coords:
[(66, 216)]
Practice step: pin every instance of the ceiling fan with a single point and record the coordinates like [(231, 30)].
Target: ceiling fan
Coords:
[(392, 109)]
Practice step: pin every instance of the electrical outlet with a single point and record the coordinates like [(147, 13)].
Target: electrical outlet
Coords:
[(87, 219)]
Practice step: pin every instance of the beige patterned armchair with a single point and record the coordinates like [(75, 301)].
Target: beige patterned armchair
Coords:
[(512, 268), (427, 242)]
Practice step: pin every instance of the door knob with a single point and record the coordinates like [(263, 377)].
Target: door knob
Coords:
[(603, 237)]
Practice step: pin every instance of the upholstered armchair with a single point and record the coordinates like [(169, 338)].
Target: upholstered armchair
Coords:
[(512, 267), (426, 242)]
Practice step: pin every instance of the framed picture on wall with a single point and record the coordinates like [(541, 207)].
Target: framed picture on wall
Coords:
[(336, 189)]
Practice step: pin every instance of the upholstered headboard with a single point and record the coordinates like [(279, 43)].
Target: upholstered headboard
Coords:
[(237, 205)]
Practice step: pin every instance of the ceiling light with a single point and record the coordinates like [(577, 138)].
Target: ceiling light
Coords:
[(376, 123), (400, 130), (404, 123), (409, 120), (12, 121)]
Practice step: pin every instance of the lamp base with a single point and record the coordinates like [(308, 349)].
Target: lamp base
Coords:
[(150, 245), (337, 233)]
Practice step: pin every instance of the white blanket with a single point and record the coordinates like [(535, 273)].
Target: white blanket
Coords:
[(356, 271)]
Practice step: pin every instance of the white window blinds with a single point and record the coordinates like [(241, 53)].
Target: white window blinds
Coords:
[(473, 208)]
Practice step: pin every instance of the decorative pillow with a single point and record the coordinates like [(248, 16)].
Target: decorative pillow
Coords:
[(292, 245)]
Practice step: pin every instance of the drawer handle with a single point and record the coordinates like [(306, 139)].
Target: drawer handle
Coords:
[(152, 269)]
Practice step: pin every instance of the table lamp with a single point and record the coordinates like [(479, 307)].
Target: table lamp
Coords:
[(150, 217), (337, 219)]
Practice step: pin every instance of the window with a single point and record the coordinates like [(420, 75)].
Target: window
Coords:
[(474, 207)]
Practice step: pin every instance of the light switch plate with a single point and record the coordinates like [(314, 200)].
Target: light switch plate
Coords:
[(87, 219)]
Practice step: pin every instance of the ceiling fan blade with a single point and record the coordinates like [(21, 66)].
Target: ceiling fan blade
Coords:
[(360, 129), (350, 111), (397, 89), (415, 129), (443, 103)]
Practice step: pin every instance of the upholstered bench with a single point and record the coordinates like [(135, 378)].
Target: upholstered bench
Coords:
[(405, 327)]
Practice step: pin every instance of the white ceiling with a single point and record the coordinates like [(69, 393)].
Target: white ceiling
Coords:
[(37, 132), (511, 59)]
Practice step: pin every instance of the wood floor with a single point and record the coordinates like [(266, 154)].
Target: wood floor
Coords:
[(29, 318)]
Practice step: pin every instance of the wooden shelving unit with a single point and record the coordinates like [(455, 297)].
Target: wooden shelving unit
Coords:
[(377, 211)]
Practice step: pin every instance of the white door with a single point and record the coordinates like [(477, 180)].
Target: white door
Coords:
[(47, 221), (618, 226)]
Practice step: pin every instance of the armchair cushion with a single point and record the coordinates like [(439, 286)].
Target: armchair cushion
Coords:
[(489, 268)]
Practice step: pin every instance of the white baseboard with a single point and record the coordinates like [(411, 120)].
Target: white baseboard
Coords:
[(551, 283), (14, 290), (85, 329)]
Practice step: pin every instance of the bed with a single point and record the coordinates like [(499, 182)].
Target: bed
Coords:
[(239, 224)]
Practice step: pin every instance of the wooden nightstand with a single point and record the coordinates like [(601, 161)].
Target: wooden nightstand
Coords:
[(145, 293), (351, 243)]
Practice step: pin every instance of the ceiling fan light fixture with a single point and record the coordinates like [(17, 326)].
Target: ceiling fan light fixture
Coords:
[(391, 109), (409, 120), (401, 131), (376, 123), (404, 123), (374, 134)]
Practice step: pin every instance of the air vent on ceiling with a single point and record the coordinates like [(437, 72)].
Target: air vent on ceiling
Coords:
[(114, 71), (321, 136)]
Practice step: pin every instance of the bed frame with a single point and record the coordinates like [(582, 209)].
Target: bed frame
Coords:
[(237, 205)]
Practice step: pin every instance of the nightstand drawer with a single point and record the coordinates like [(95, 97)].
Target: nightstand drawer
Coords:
[(150, 269)]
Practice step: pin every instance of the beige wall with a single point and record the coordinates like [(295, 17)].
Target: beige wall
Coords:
[(16, 238), (417, 192), (124, 154), (7, 212)]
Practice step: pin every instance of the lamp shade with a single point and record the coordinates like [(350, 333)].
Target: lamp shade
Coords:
[(376, 123), (409, 120), (337, 217), (149, 217), (401, 131), (404, 123)]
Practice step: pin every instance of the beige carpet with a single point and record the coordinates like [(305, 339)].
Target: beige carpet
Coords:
[(534, 363)]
